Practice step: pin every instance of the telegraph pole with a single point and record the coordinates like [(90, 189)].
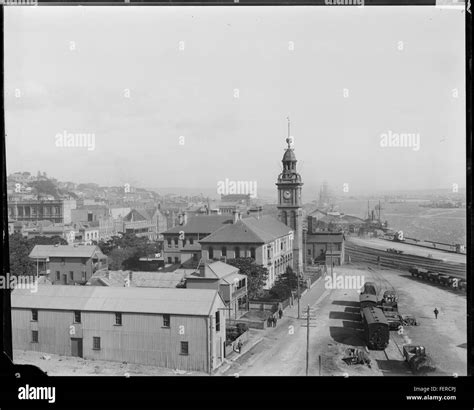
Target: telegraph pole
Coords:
[(298, 290), (307, 340)]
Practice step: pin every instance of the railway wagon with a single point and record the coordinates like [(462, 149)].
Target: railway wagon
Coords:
[(443, 279), (376, 328), (369, 288), (367, 300)]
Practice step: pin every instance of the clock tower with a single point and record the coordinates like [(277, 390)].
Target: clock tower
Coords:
[(289, 202)]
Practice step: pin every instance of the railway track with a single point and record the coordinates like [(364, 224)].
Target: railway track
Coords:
[(393, 348), (403, 261)]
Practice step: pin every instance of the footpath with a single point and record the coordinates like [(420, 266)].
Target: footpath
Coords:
[(310, 296)]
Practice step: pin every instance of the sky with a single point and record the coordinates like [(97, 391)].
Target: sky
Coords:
[(188, 96)]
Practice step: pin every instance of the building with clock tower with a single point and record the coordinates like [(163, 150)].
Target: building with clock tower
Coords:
[(289, 206)]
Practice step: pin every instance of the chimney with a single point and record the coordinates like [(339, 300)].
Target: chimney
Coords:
[(180, 219), (236, 216), (185, 218)]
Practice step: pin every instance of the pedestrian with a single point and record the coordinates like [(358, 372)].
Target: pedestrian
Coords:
[(270, 321), (280, 313), (274, 322), (436, 311)]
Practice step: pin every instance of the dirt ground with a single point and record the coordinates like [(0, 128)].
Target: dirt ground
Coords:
[(335, 326), (55, 365)]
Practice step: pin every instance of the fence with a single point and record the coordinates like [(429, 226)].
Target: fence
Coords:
[(232, 347)]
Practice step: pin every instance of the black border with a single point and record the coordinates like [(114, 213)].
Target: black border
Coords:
[(231, 392)]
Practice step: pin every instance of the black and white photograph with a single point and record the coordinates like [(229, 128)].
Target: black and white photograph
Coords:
[(237, 191)]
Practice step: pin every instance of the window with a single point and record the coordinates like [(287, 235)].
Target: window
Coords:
[(170, 260), (237, 252), (224, 251), (169, 242), (176, 259), (77, 316), (185, 348), (166, 320), (118, 319), (191, 241), (58, 275), (96, 343), (309, 252), (34, 336), (34, 315), (176, 243), (211, 253), (71, 275), (218, 321)]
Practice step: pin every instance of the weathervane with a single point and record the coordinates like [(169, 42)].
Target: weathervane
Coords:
[(289, 139)]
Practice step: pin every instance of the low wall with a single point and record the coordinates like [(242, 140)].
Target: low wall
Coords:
[(244, 337)]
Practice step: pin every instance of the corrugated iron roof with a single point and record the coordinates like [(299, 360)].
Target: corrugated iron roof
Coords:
[(63, 251), (324, 238), (193, 302), (201, 224)]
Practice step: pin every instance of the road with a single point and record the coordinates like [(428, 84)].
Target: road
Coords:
[(282, 351)]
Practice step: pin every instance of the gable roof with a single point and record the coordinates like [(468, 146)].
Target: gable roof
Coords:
[(201, 224), (192, 302), (63, 251), (138, 279), (249, 230)]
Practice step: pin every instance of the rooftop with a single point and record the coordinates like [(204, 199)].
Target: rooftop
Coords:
[(192, 302), (63, 251), (138, 279), (201, 224), (249, 230)]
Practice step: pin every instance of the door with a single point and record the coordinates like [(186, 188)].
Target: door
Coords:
[(64, 279), (76, 347)]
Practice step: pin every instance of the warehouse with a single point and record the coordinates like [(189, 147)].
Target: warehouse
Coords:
[(174, 328)]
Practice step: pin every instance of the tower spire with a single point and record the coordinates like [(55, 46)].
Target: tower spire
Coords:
[(288, 139)]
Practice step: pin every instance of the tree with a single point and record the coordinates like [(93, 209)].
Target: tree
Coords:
[(19, 249), (285, 284), (125, 250), (256, 275)]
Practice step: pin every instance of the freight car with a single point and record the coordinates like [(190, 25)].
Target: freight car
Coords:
[(389, 301), (435, 277), (367, 300), (376, 328), (369, 288)]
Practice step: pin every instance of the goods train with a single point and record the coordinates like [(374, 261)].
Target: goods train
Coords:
[(442, 279), (376, 328), (369, 288), (367, 300)]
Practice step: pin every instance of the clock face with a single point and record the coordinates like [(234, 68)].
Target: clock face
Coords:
[(287, 194)]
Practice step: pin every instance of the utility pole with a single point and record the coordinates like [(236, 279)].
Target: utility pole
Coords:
[(331, 257), (298, 295), (307, 340), (308, 325)]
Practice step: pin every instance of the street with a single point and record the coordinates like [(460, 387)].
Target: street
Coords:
[(336, 327)]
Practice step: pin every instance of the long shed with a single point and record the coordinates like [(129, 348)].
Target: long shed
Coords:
[(174, 328)]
